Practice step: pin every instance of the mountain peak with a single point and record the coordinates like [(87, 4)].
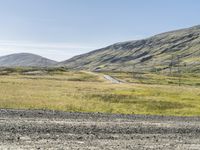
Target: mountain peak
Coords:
[(25, 59)]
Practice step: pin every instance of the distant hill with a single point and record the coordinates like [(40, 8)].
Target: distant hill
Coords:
[(25, 59), (154, 53)]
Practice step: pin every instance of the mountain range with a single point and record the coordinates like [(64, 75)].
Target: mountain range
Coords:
[(157, 52), (160, 52)]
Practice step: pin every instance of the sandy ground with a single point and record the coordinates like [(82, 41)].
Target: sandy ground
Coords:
[(40, 129)]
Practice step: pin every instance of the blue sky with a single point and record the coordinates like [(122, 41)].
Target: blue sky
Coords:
[(60, 29)]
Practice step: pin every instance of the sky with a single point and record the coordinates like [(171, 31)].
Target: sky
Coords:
[(61, 29)]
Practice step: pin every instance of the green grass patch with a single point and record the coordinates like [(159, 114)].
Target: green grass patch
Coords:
[(84, 92)]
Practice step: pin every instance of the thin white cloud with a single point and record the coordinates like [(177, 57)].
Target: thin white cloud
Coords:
[(55, 51), (43, 45)]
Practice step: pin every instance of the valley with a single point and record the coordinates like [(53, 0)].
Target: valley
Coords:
[(142, 94)]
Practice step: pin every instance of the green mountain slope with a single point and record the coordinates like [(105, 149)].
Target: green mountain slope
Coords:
[(159, 52)]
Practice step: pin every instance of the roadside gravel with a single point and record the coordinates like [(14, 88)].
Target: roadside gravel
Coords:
[(42, 129)]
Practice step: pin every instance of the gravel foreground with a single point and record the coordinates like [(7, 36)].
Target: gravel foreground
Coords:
[(41, 129)]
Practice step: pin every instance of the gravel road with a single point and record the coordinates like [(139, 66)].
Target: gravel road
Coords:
[(40, 129), (111, 79)]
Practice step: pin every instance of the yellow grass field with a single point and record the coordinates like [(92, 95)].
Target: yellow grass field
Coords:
[(84, 92)]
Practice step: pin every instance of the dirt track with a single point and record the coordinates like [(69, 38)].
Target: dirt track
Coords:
[(111, 79), (39, 129)]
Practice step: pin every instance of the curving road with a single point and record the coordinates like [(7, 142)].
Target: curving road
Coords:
[(111, 79), (106, 77)]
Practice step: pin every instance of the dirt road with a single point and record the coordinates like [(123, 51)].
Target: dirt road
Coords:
[(20, 129), (106, 77), (111, 79)]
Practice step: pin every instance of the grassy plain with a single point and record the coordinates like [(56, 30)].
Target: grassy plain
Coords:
[(85, 92)]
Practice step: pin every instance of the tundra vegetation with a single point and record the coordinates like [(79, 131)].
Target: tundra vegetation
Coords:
[(80, 91)]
